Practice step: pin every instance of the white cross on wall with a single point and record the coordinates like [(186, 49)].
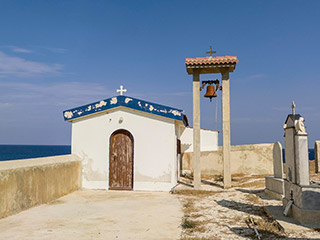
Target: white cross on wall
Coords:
[(121, 90)]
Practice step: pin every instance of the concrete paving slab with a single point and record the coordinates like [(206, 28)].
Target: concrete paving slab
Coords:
[(99, 214)]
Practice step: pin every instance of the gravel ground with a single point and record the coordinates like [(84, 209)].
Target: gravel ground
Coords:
[(225, 214)]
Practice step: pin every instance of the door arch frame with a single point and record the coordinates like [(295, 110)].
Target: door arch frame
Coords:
[(132, 139)]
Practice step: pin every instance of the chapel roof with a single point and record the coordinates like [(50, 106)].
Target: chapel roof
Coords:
[(128, 102)]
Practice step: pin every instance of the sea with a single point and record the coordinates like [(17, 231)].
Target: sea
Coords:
[(15, 152), (311, 154)]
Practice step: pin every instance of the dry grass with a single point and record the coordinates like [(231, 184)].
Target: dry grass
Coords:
[(191, 226), (192, 238), (252, 198), (187, 224), (58, 201), (268, 224), (255, 184), (188, 207), (238, 180), (196, 215), (200, 226), (313, 176), (196, 193)]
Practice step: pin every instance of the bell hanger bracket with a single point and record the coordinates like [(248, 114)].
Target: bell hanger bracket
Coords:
[(210, 82)]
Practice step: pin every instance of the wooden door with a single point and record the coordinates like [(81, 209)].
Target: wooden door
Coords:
[(121, 161)]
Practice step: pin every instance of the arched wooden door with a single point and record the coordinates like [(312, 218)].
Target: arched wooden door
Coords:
[(121, 160)]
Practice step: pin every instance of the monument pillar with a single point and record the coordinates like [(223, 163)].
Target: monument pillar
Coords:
[(226, 129), (317, 156), (207, 65), (296, 149), (301, 197), (196, 130)]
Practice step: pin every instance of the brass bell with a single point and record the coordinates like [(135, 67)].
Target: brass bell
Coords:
[(211, 93)]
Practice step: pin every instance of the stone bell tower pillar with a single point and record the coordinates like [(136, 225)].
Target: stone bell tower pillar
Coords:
[(206, 65), (196, 130)]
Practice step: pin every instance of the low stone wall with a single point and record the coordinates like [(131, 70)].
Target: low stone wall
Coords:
[(30, 182), (245, 159)]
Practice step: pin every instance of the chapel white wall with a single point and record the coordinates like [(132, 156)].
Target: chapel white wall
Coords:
[(154, 148), (208, 140)]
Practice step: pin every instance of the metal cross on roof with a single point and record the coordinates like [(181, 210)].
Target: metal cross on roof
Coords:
[(121, 90), (293, 106), (210, 52)]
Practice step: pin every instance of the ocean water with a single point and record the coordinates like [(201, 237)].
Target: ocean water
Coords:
[(311, 154), (15, 152)]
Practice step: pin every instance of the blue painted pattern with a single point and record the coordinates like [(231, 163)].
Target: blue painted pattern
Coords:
[(129, 102)]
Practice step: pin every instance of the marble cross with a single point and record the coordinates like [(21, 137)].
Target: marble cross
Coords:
[(293, 106), (121, 90)]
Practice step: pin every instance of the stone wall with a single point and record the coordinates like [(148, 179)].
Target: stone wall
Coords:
[(30, 182), (245, 159)]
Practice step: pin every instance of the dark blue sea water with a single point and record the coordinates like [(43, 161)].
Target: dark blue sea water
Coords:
[(311, 154), (14, 152)]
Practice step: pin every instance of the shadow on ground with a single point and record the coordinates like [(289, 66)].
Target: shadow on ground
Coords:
[(258, 192), (250, 209), (247, 232)]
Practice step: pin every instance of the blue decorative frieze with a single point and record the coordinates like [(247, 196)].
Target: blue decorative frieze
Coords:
[(129, 102)]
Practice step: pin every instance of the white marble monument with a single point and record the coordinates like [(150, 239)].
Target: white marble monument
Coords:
[(296, 148), (274, 184), (316, 156), (301, 199)]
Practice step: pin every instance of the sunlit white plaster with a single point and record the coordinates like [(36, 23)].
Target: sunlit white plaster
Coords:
[(300, 126), (154, 155), (175, 112), (208, 140), (113, 100), (101, 104), (127, 100), (68, 114)]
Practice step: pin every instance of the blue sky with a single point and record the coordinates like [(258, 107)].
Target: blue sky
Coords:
[(56, 55)]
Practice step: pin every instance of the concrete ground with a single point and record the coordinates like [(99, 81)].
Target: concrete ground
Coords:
[(98, 214)]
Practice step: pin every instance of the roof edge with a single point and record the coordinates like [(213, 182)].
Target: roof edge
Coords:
[(128, 102)]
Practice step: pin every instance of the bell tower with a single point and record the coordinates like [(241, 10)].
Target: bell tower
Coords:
[(211, 65)]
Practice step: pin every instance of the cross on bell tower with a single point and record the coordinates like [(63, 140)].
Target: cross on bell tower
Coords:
[(210, 52)]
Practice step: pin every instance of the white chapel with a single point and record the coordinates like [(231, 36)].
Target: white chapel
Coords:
[(131, 144)]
